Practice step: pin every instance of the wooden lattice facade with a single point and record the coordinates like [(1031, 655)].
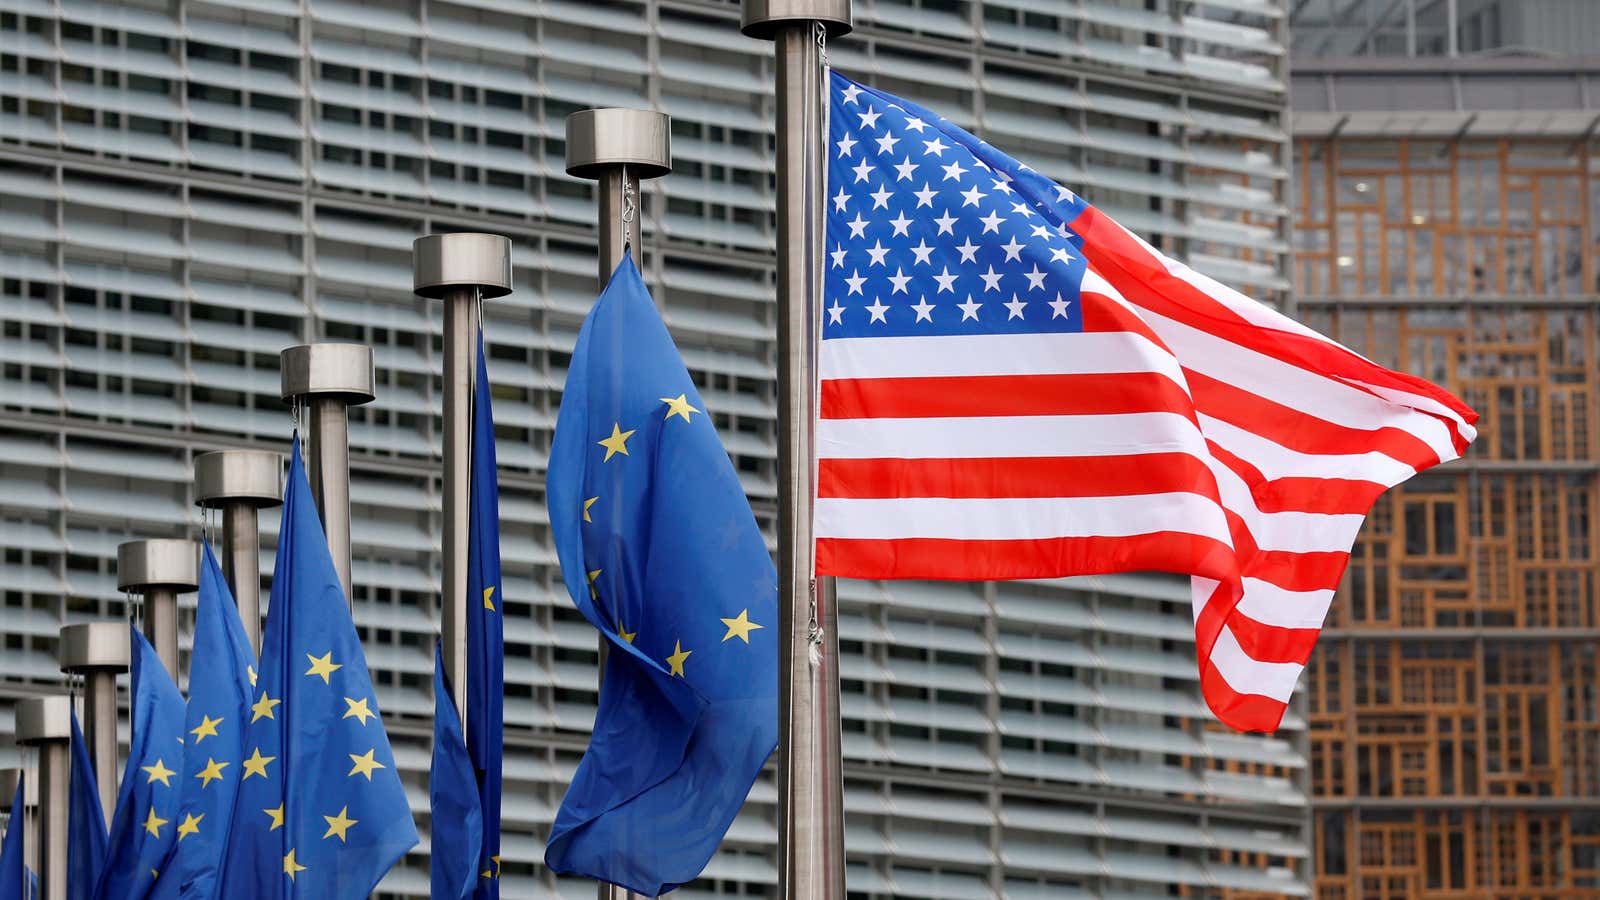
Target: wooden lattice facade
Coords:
[(1455, 695)]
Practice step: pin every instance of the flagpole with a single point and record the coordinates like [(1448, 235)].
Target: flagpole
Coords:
[(98, 651), (810, 776), (616, 148), (241, 483), (46, 724), (160, 569), (460, 269), (329, 379)]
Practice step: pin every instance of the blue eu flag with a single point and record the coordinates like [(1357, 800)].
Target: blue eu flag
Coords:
[(456, 826), (14, 874), (485, 633), (86, 823), (326, 816), (144, 829), (221, 672), (661, 553)]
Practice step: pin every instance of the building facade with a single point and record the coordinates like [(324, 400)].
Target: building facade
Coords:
[(1447, 213), (186, 188)]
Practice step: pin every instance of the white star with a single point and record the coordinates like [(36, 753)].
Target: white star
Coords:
[(953, 170), (1013, 249), (915, 124), (846, 145), (904, 170), (1035, 278), (1001, 186), (1064, 231), (862, 171), (969, 310), (877, 251), (922, 251), (981, 164), (869, 119), (991, 222), (1015, 306), (1064, 194), (1022, 209), (855, 281), (946, 223), (924, 311), (967, 249), (851, 93), (840, 199), (935, 147), (880, 197), (838, 256), (900, 223), (925, 196), (858, 228), (836, 313), (972, 197), (1058, 307), (877, 309), (991, 281), (886, 143), (1042, 231), (1059, 254), (946, 282), (899, 279)]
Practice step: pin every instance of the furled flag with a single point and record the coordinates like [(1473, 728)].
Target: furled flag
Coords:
[(485, 632), (661, 553), (1014, 386), (327, 815), (14, 875), (143, 829), (456, 816), (221, 674), (86, 823)]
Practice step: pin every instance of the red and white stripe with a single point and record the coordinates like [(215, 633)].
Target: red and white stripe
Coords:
[(1187, 429)]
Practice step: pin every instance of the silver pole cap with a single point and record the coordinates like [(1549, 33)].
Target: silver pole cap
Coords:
[(601, 139), (327, 368), (94, 645), (229, 476), (158, 563), (762, 18), (41, 719), (441, 263), (8, 787)]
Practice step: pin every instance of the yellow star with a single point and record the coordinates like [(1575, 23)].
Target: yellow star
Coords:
[(252, 671), (290, 867), (593, 574), (159, 772), (494, 874), (617, 443), (276, 814), (338, 825), (679, 407), (323, 665), (153, 823), (207, 728), (263, 708), (210, 773), (256, 764), (740, 627), (678, 656), (357, 710), (624, 634), (586, 504), (487, 593), (364, 763), (189, 825)]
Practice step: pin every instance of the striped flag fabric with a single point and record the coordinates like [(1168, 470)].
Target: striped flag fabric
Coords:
[(1015, 386)]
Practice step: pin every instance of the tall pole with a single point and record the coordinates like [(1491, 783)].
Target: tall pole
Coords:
[(462, 270), (616, 148), (161, 569), (240, 483), (99, 652), (810, 774), (45, 723), (329, 379)]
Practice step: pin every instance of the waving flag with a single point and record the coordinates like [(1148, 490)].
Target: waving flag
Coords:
[(86, 823), (14, 875), (321, 812), (1014, 386), (661, 553), (456, 816), (486, 644)]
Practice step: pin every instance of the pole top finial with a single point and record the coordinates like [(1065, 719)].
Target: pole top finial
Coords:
[(327, 368), (444, 263), (762, 18), (158, 563), (228, 476), (94, 645), (601, 139), (44, 719)]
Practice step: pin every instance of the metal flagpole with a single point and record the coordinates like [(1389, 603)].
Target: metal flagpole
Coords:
[(810, 775), (329, 378), (461, 269), (617, 148), (98, 651), (240, 483), (46, 724), (161, 569)]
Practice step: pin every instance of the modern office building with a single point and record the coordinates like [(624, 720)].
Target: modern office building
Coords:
[(186, 188), (1448, 209)]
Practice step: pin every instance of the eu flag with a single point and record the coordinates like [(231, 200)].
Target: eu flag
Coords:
[(86, 823), (323, 813), (143, 828), (14, 874), (221, 671), (456, 816), (661, 553), (485, 633)]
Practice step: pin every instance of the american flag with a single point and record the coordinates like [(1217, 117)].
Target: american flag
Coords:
[(1015, 386)]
